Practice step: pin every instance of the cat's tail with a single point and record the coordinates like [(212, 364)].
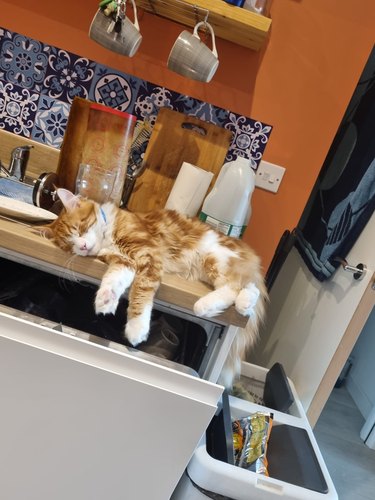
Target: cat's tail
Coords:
[(246, 337)]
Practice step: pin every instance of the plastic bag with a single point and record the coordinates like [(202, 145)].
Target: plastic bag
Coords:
[(250, 440)]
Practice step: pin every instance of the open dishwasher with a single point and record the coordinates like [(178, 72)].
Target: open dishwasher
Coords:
[(83, 414)]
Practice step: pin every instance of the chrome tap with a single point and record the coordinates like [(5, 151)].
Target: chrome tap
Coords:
[(18, 162)]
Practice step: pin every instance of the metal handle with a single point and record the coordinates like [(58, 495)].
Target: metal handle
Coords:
[(358, 271)]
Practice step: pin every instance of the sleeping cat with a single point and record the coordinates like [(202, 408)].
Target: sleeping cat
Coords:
[(140, 247)]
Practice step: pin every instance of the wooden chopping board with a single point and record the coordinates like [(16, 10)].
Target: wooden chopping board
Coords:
[(176, 138)]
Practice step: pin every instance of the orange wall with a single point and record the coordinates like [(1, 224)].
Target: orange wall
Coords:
[(300, 82)]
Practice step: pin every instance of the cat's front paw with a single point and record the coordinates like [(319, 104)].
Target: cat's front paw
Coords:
[(246, 300), (136, 330), (106, 301), (205, 307)]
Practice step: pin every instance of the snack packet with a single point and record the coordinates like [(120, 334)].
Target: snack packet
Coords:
[(250, 440)]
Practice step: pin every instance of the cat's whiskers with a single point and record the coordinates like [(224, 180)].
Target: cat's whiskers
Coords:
[(70, 273)]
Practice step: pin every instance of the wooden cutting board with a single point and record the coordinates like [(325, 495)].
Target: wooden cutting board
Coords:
[(177, 138)]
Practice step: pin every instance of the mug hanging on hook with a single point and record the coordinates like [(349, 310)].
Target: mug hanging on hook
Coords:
[(112, 28), (191, 57)]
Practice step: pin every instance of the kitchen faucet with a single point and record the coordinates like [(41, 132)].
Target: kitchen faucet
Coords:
[(18, 162)]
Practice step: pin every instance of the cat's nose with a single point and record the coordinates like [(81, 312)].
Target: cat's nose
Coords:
[(83, 246)]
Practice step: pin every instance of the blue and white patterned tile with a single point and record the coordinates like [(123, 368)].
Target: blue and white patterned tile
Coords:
[(114, 89), (50, 121), (23, 61), (150, 99), (68, 76), (18, 107), (202, 110), (30, 66), (250, 138)]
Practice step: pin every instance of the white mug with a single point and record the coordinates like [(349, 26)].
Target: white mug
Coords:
[(192, 58), (126, 42)]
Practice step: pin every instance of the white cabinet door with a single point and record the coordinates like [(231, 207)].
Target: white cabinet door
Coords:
[(83, 422)]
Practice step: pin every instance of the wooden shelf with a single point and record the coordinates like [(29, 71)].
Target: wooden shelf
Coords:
[(231, 23)]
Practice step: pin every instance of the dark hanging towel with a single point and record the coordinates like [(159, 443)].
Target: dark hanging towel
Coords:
[(343, 198)]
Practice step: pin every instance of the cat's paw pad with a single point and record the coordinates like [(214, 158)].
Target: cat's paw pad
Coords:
[(206, 307), (136, 330), (246, 300), (106, 301)]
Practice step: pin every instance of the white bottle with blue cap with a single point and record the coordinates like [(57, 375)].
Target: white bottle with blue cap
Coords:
[(227, 207)]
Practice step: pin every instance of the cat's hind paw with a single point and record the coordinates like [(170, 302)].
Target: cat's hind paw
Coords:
[(246, 300), (106, 301), (215, 302), (136, 330)]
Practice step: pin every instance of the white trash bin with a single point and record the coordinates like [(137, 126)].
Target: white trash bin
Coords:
[(298, 467)]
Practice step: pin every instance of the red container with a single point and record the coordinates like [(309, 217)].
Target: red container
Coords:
[(96, 135), (107, 143)]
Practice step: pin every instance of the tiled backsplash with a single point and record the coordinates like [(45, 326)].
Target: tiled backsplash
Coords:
[(38, 83)]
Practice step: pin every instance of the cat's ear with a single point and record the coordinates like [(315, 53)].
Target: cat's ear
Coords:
[(68, 199)]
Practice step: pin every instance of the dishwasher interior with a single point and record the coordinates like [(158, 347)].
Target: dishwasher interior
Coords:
[(176, 339)]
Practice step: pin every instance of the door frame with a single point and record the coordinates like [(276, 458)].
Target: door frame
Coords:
[(342, 352)]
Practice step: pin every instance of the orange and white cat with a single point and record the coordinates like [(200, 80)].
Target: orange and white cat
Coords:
[(140, 247)]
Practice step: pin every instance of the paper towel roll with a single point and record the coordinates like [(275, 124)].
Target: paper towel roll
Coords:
[(189, 189)]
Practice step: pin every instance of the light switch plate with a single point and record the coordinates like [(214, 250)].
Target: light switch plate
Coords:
[(268, 176)]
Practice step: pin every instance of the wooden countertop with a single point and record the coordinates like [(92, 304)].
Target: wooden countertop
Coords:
[(21, 242)]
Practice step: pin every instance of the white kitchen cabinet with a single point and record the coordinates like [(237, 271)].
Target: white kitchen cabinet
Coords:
[(83, 421)]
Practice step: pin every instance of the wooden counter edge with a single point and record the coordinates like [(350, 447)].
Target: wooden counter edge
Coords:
[(25, 240)]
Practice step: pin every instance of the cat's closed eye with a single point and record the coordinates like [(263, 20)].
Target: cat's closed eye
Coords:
[(77, 230)]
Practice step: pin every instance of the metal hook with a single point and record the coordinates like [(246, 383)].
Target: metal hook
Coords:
[(196, 12)]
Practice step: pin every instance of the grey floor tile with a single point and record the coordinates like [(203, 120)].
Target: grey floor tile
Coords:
[(350, 462)]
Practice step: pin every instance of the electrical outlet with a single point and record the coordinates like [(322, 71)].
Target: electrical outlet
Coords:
[(268, 176)]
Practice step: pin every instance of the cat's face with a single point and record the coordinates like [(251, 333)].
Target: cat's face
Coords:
[(78, 228)]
